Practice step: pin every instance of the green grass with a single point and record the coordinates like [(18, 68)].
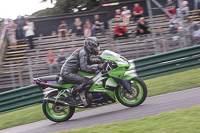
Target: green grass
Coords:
[(170, 83), (182, 121)]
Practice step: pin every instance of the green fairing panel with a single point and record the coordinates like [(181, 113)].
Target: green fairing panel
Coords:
[(129, 76), (64, 86), (117, 73), (99, 88), (86, 74)]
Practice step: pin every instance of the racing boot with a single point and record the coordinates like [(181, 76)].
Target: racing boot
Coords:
[(77, 89)]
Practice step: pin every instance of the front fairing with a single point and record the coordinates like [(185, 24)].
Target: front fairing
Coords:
[(122, 64)]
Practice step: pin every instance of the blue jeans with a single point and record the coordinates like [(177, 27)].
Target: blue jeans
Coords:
[(196, 4), (20, 32), (94, 30)]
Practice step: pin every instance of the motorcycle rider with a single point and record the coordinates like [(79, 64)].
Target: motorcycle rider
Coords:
[(80, 60)]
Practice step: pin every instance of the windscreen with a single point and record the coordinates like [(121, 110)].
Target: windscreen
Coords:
[(110, 53)]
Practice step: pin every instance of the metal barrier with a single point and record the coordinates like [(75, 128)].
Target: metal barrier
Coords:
[(20, 97), (145, 68), (167, 63)]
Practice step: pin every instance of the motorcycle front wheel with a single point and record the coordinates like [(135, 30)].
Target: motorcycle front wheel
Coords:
[(139, 93), (54, 112)]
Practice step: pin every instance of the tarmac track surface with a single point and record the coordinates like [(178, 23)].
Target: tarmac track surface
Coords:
[(116, 112)]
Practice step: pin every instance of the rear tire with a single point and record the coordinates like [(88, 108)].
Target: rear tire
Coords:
[(52, 113), (140, 93)]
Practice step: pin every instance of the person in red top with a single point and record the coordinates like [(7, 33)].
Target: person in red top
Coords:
[(137, 12), (51, 60), (120, 30)]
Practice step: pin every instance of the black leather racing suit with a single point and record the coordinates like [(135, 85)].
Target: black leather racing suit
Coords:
[(78, 61)]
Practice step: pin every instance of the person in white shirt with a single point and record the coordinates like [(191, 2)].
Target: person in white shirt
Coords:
[(126, 14), (29, 32), (184, 8)]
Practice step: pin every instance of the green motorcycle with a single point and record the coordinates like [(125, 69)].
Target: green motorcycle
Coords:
[(111, 84)]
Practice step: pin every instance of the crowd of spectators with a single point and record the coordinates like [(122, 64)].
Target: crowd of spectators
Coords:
[(137, 15), (81, 29), (54, 62), (19, 29), (22, 28)]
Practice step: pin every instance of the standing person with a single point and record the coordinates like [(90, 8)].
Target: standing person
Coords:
[(78, 27), (126, 14), (120, 30), (63, 29), (184, 8), (196, 4), (162, 40), (11, 28), (170, 8), (29, 32), (20, 25), (137, 12), (98, 24), (87, 28)]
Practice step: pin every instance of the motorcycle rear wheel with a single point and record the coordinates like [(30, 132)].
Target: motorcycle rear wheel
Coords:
[(139, 93), (56, 113)]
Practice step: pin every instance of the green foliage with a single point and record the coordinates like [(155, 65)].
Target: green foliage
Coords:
[(68, 6), (182, 121)]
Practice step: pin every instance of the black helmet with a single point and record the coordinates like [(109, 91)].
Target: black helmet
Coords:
[(91, 44)]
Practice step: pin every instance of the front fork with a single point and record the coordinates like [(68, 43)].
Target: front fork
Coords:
[(127, 85)]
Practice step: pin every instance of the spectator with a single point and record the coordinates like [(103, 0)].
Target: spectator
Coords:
[(120, 30), (11, 28), (118, 15), (63, 29), (6, 21), (184, 8), (196, 4), (196, 35), (137, 12), (53, 33), (190, 26), (170, 8), (162, 40), (61, 57), (29, 32), (98, 24), (78, 27), (174, 24), (51, 61), (87, 28), (126, 14), (20, 25), (142, 27)]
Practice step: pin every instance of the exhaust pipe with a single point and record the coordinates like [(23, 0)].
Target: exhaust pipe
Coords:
[(54, 101)]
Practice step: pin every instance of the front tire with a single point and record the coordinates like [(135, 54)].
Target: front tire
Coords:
[(139, 93), (56, 113)]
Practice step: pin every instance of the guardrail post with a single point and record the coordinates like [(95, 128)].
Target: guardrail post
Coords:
[(20, 76), (12, 76), (30, 70)]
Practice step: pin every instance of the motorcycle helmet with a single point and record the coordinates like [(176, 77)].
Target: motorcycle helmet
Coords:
[(91, 44)]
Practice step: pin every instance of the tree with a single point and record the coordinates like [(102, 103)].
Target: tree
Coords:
[(67, 6)]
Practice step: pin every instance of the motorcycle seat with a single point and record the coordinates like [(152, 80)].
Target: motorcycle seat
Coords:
[(61, 81), (49, 78)]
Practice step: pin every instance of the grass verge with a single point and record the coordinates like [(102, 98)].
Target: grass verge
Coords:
[(182, 121), (165, 84)]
